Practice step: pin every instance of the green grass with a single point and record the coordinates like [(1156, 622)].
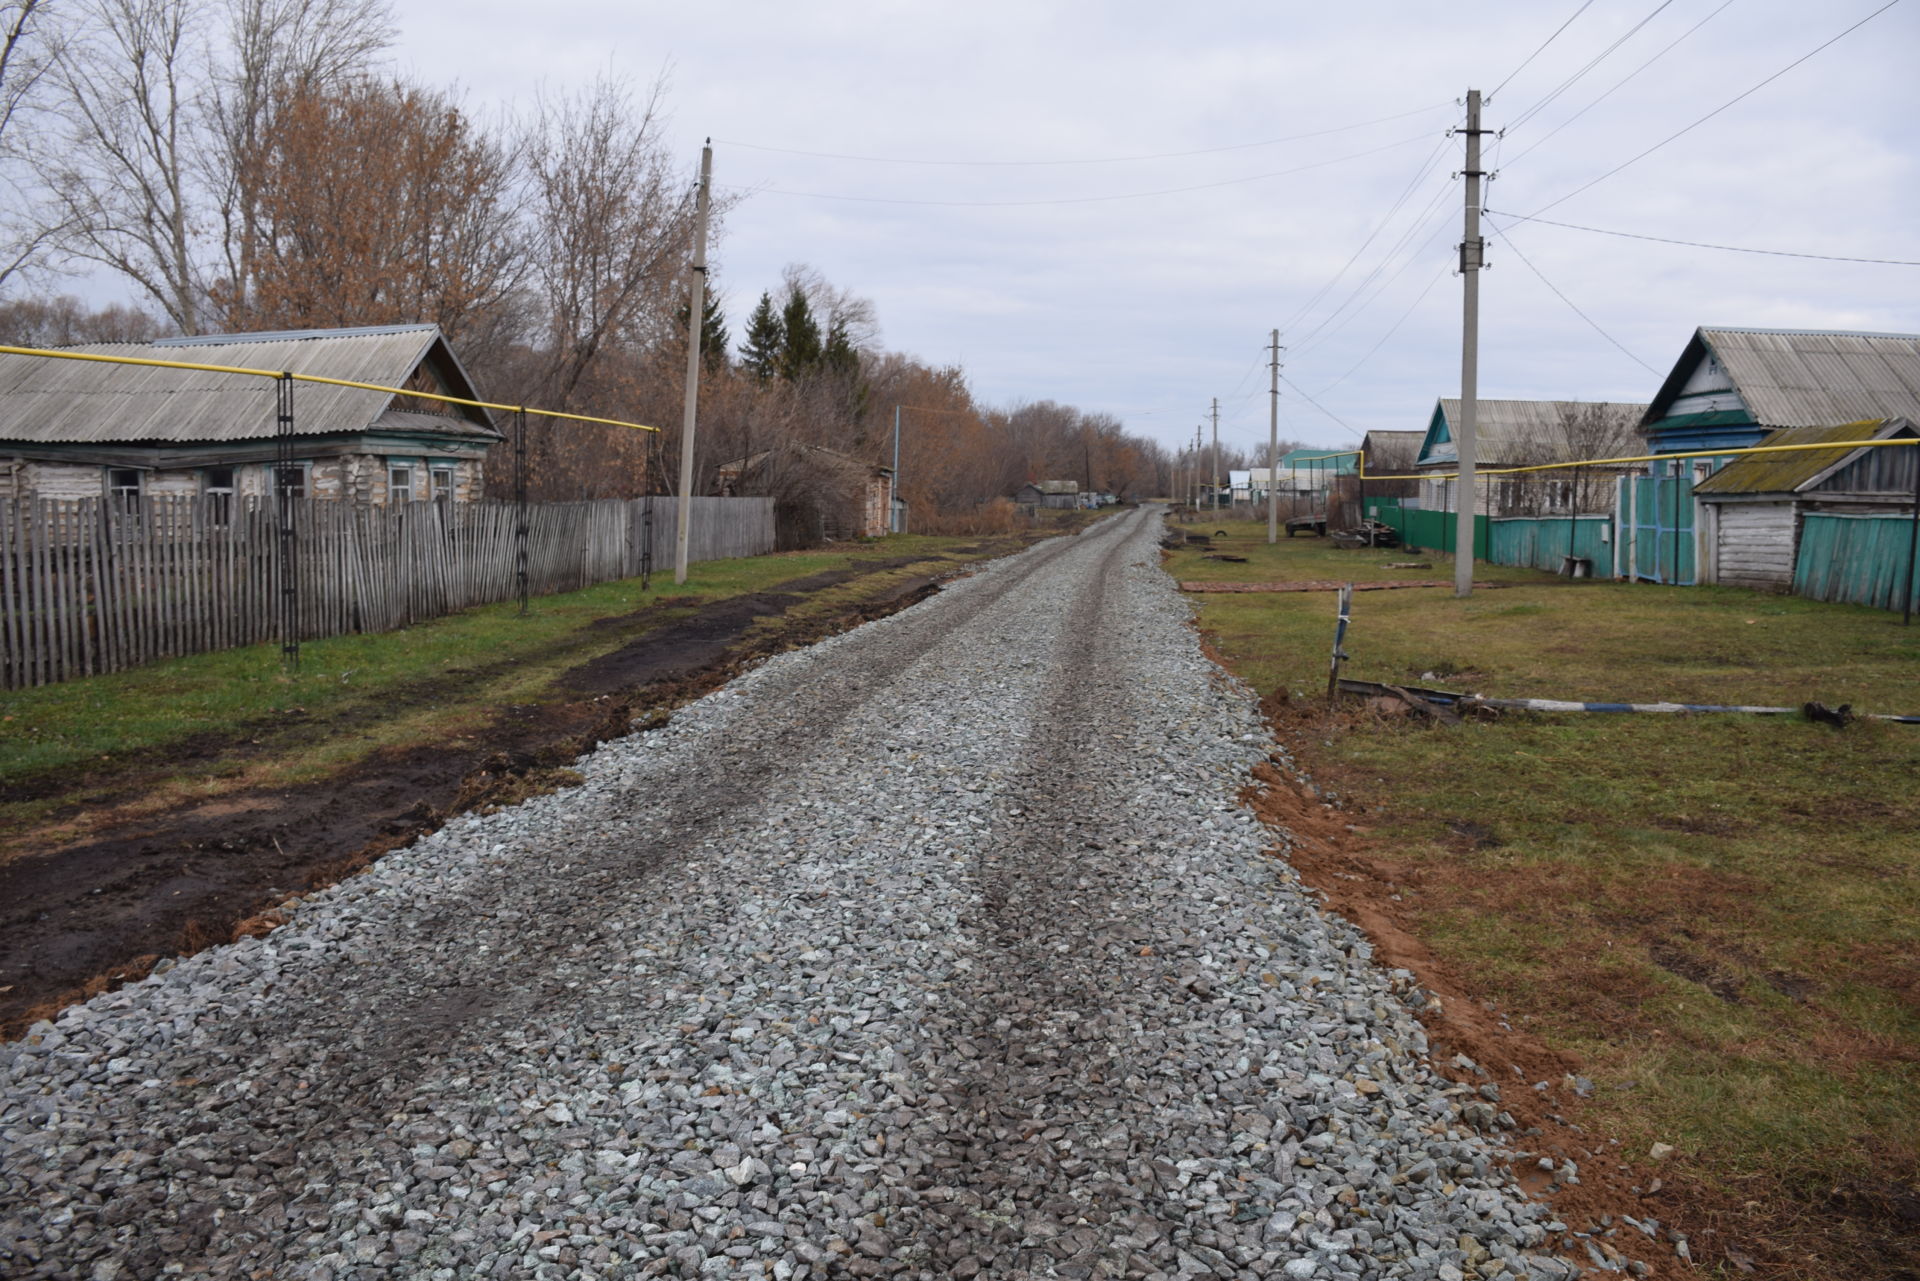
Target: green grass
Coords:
[(1720, 913)]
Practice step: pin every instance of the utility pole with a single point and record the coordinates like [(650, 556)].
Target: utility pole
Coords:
[(893, 482), (1216, 453), (1472, 256), (1273, 447), (696, 326)]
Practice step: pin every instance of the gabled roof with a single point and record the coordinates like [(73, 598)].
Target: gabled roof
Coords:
[(1805, 377), (817, 454), (1505, 431), (49, 401), (1796, 472), (1057, 486)]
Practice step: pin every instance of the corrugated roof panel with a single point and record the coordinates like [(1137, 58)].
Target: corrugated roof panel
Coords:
[(46, 400), (1504, 430), (1792, 378)]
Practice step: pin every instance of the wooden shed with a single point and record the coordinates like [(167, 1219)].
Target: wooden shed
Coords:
[(1756, 506)]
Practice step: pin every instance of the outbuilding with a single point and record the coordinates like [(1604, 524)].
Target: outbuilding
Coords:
[(1757, 506)]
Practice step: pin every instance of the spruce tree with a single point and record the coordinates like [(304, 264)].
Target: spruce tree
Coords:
[(766, 336), (801, 349), (713, 330), (838, 357)]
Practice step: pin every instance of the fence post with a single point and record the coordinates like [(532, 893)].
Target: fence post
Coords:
[(1913, 542), (287, 552), (1339, 638), (520, 504)]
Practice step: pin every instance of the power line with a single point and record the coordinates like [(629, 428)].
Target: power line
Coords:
[(1537, 52), (1096, 160), (1426, 167), (1501, 232), (1597, 59), (1716, 111), (1621, 83), (1446, 269), (1322, 408), (1701, 244), (1436, 219), (1081, 200)]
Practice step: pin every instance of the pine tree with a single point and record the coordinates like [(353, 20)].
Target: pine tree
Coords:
[(713, 330), (766, 336), (838, 356), (800, 351)]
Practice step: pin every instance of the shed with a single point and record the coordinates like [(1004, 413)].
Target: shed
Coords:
[(1730, 387), (1063, 494), (818, 493), (1757, 505), (91, 429)]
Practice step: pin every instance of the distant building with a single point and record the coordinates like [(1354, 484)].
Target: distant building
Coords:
[(93, 429), (1062, 494), (1526, 433)]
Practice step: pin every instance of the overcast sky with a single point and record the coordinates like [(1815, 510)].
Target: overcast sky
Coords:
[(1048, 274)]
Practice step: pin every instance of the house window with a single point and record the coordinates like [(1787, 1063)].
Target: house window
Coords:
[(123, 487), (290, 481), (441, 480), (216, 483), (399, 484)]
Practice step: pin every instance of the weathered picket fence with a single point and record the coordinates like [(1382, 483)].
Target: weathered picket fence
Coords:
[(99, 586)]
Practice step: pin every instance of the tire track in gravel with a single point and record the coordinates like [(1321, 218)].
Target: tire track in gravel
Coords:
[(359, 1035), (1048, 1107)]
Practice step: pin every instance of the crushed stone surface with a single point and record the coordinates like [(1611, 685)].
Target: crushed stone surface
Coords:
[(938, 949)]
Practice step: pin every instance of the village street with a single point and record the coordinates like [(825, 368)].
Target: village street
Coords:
[(941, 948)]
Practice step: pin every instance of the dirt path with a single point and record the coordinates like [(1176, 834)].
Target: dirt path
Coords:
[(80, 918)]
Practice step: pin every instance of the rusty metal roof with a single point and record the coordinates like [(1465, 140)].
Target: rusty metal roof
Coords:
[(1789, 473), (49, 401)]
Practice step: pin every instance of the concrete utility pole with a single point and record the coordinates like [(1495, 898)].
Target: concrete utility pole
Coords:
[(1273, 447), (1472, 256), (893, 481), (696, 326), (1216, 453)]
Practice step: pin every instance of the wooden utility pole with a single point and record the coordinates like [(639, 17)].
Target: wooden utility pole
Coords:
[(1472, 256), (696, 327), (1273, 447)]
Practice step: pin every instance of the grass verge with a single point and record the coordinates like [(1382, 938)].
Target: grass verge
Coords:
[(1718, 915)]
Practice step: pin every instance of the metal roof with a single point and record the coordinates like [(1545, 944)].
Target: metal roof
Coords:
[(1790, 473), (49, 401), (1514, 431), (1804, 377)]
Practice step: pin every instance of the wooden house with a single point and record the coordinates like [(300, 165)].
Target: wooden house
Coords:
[(1731, 387), (94, 429), (1526, 433), (1755, 507)]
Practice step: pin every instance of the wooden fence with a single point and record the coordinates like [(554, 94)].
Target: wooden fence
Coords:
[(98, 586)]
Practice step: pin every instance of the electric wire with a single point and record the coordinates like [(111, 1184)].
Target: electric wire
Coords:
[(1322, 408), (1078, 200), (1438, 220), (1508, 240), (1446, 270), (1702, 244), (1096, 160), (1425, 167), (1716, 111), (1537, 52), (1595, 61), (1621, 83)]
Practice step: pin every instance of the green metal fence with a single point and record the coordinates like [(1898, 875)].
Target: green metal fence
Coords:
[(1861, 560), (1545, 542), (1431, 531)]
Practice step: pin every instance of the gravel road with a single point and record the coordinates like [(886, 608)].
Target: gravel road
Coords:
[(939, 949)]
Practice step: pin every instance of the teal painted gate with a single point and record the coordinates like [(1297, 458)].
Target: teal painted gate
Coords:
[(1661, 511), (1545, 542)]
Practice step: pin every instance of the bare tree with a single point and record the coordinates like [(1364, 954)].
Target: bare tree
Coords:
[(27, 46), (611, 228), (1590, 429)]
